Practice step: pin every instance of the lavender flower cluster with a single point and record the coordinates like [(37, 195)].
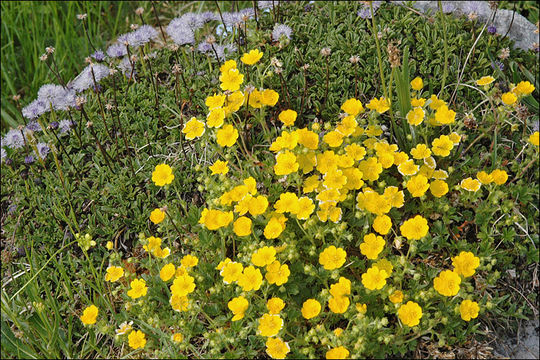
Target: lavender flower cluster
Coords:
[(181, 30)]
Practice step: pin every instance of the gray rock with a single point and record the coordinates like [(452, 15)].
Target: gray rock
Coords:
[(521, 31), (523, 347)]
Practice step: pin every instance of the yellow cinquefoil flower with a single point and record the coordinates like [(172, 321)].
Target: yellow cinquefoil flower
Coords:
[(251, 57), (89, 315)]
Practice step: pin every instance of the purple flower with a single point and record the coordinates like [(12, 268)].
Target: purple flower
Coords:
[(85, 79), (281, 30), (125, 67), (141, 36), (35, 109), (98, 55), (34, 126), (181, 31), (43, 149), (29, 159), (365, 11), (208, 16), (54, 125), (232, 19), (59, 97), (13, 139), (491, 29), (264, 4), (65, 126), (204, 47), (497, 64), (117, 50)]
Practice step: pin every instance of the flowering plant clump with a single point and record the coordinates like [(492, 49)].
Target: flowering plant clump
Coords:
[(274, 226)]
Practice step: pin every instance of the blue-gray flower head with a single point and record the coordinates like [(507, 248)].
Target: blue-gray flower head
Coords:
[(281, 30), (43, 149), (34, 126), (35, 109), (59, 97), (116, 50), (13, 139), (65, 126), (85, 79)]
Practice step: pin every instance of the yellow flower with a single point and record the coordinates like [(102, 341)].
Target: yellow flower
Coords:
[(442, 146), (109, 245), (372, 246), (157, 216), (179, 303), (370, 168), (380, 105), (385, 265), (485, 80), (251, 279), (177, 337), (455, 137), (374, 278), (215, 118), (231, 80), (189, 261), (138, 288), (445, 116), (465, 263), (222, 264), (137, 339), (242, 226), (276, 273), (509, 98), (308, 138), (447, 283), (484, 177), (311, 308), (355, 151), (421, 151), (499, 176), (416, 116), (352, 107), (436, 102), (408, 168), (417, 185), (288, 202), (231, 271), (193, 129), (162, 175), (410, 313), (215, 101), (337, 353), (382, 224), (414, 228), (162, 253), (338, 331), (277, 348), (396, 297), (124, 328), (269, 97), (341, 288), (227, 136), (417, 83), (251, 57), (153, 244), (332, 258), (523, 88), (395, 197), (418, 102), (219, 167), (167, 272), (183, 285), (257, 205), (273, 229), (287, 117), (89, 315), (338, 304), (215, 219), (238, 306), (535, 138), (114, 273), (469, 310), (229, 64), (333, 138), (361, 308), (470, 184), (438, 188), (270, 325), (275, 305), (306, 208), (264, 256), (285, 163)]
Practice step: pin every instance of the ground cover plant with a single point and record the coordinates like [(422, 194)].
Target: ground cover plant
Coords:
[(274, 179)]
